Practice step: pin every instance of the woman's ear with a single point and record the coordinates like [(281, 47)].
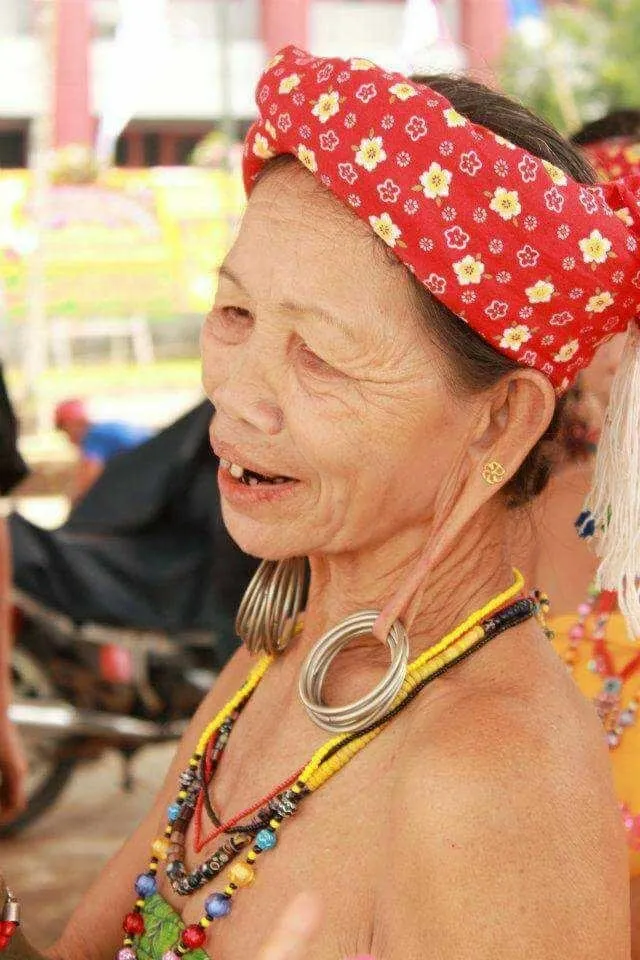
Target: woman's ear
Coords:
[(519, 410)]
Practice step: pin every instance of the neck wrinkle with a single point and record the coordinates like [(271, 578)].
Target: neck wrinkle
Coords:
[(473, 571)]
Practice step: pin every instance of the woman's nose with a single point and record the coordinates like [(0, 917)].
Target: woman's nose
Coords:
[(242, 404)]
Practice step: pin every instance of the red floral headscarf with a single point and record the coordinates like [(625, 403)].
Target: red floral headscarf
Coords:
[(543, 268), (614, 157)]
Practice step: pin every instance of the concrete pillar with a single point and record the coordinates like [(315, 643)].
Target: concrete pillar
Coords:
[(72, 121), (284, 22), (484, 27)]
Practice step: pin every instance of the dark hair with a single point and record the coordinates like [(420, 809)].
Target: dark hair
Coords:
[(475, 364), (616, 123)]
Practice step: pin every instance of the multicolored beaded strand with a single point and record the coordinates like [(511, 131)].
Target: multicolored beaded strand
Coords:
[(9, 920), (325, 763)]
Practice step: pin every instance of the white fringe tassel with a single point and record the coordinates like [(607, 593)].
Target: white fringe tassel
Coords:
[(614, 500)]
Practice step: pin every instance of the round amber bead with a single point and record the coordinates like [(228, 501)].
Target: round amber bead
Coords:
[(241, 874), (160, 848)]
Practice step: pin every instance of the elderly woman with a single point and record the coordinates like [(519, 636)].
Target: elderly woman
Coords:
[(404, 304)]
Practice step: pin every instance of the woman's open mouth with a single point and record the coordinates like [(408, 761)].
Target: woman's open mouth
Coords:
[(250, 478)]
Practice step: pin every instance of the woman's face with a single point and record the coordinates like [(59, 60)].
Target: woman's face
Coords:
[(321, 373)]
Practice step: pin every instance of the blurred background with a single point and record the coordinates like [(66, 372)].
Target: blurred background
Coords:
[(121, 124)]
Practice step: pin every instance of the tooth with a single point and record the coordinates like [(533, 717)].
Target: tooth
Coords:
[(253, 481), (236, 471), (279, 480), (225, 463)]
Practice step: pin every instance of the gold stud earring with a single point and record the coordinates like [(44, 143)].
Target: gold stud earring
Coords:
[(493, 472)]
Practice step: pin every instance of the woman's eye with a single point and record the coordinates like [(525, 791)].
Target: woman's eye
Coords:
[(316, 364), (230, 324)]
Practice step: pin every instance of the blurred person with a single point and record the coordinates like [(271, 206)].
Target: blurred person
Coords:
[(590, 632), (97, 442), (382, 438), (13, 766)]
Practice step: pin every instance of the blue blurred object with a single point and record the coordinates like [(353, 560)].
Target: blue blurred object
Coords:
[(520, 10)]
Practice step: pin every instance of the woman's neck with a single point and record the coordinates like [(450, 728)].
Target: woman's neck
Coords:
[(476, 568)]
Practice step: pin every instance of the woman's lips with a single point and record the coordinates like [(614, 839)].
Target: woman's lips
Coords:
[(236, 491)]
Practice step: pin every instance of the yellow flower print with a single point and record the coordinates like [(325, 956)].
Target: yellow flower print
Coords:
[(386, 229), (271, 130), (506, 203), (557, 175), (565, 353), (540, 292), (261, 147), (403, 91), (624, 214), (435, 182), (274, 61), (595, 248), (307, 157), (632, 153), (502, 142), (514, 337), (599, 302), (454, 119), (469, 270), (326, 106), (359, 63), (370, 153), (287, 84)]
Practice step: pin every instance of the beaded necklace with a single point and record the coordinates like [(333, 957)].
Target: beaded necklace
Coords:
[(615, 717), (476, 630)]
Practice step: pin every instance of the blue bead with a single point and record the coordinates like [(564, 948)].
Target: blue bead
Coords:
[(266, 840), (173, 812), (145, 885), (217, 906)]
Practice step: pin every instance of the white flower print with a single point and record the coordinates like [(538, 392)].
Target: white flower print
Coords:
[(554, 200), (326, 106), (348, 172), (426, 244), (569, 263), (547, 340), (530, 223), (387, 121), (343, 76), (470, 163), (403, 91), (469, 296), (503, 276), (436, 284), (496, 246), (469, 270), (446, 148), (435, 182), (480, 215), (370, 153), (261, 147), (324, 74), (288, 84), (541, 292), (307, 157), (561, 319), (350, 120), (514, 337), (284, 122), (386, 229), (576, 293), (354, 200), (528, 256), (504, 143), (529, 357), (453, 118), (329, 140), (366, 92), (631, 244), (587, 198), (617, 276), (416, 128), (506, 203), (497, 310), (263, 96), (411, 206), (599, 302), (566, 352), (595, 248), (449, 214), (273, 109), (456, 238), (528, 168), (298, 99), (564, 231), (325, 179), (501, 168), (403, 159), (525, 313), (305, 131), (389, 191)]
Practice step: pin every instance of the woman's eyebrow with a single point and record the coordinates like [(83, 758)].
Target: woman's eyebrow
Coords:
[(293, 306)]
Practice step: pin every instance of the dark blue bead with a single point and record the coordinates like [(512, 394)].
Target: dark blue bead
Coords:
[(146, 885), (217, 906)]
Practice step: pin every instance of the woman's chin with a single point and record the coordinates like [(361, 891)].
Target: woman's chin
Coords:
[(260, 540)]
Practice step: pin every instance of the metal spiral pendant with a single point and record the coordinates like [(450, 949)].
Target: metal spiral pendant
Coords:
[(359, 714), (271, 605)]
